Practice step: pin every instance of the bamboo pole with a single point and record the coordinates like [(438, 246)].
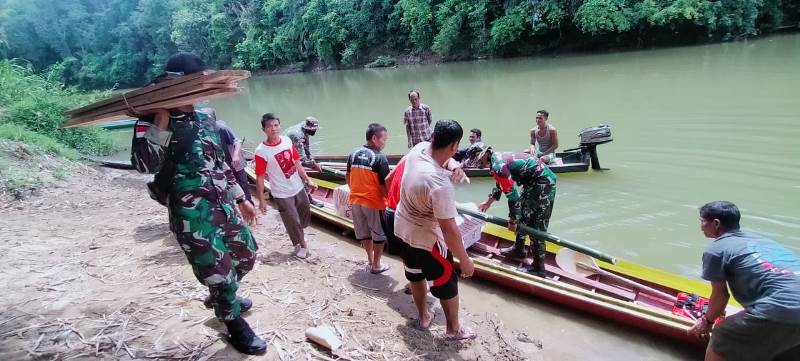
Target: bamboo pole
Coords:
[(520, 228)]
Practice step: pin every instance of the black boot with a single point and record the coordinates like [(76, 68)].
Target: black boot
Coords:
[(538, 253), (243, 339), (515, 251), (245, 303)]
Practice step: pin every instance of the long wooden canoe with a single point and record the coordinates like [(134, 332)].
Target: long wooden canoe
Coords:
[(600, 295), (577, 160)]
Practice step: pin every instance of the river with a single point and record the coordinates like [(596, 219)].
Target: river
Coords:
[(691, 125)]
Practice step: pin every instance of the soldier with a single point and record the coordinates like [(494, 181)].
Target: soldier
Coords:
[(533, 206), (201, 195), (300, 135)]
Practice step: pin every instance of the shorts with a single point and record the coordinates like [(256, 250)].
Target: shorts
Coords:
[(435, 266), (368, 223), (394, 245), (743, 336)]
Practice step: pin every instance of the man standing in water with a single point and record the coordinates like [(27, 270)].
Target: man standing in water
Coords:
[(425, 221), (764, 277), (417, 120), (533, 206), (201, 195), (367, 169)]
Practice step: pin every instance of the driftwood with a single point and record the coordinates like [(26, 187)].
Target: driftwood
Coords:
[(172, 93)]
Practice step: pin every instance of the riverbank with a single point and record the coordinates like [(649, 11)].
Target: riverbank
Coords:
[(418, 58), (92, 271)]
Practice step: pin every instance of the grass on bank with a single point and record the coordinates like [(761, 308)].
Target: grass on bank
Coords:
[(34, 151), (37, 102)]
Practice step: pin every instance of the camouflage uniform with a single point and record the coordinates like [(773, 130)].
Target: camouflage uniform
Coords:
[(534, 205), (201, 198), (301, 142)]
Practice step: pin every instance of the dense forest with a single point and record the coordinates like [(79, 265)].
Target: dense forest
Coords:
[(104, 43)]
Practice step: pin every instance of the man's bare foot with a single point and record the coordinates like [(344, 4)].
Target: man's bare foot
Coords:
[(425, 321)]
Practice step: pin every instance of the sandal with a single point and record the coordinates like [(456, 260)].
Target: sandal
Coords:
[(383, 268), (465, 333)]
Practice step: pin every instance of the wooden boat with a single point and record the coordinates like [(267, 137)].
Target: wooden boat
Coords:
[(577, 159), (624, 292), (118, 124), (566, 162)]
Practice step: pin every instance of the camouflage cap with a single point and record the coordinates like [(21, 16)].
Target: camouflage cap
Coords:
[(311, 123)]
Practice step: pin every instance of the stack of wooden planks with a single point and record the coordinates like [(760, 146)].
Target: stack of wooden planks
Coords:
[(173, 93)]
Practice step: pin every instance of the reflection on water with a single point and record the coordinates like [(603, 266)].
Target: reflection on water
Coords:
[(691, 125)]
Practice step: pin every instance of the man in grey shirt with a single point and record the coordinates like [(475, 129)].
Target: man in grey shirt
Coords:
[(763, 276)]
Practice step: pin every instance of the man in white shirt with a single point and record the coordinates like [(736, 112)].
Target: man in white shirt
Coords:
[(425, 221), (277, 159)]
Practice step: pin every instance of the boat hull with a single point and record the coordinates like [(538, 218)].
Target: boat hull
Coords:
[(598, 296)]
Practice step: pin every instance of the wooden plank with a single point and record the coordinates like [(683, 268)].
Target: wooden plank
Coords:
[(157, 94), (133, 93), (168, 104), (208, 75), (165, 94), (585, 282)]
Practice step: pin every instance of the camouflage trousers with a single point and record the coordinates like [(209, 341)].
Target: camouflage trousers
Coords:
[(220, 249), (537, 206)]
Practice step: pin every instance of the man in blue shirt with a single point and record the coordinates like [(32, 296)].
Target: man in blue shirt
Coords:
[(763, 276)]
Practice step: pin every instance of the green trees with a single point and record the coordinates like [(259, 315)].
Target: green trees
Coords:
[(103, 43)]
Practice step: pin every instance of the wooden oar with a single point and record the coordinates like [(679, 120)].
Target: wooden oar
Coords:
[(586, 266), (535, 233)]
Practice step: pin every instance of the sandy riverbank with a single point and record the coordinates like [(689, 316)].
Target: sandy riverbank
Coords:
[(91, 270)]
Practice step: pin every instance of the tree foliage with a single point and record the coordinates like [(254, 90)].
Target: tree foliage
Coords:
[(103, 43)]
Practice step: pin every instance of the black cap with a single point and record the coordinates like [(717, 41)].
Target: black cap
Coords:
[(185, 63)]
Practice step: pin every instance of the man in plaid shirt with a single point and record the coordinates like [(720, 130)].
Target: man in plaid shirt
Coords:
[(417, 119)]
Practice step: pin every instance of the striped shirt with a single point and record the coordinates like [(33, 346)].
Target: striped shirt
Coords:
[(418, 124)]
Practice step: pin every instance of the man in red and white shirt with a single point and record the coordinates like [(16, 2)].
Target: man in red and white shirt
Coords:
[(279, 161)]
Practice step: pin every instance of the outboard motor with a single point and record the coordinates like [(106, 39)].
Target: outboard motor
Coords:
[(591, 138), (599, 134)]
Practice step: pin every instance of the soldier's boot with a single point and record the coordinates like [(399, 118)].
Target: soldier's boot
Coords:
[(515, 251), (539, 252), (245, 303), (243, 339)]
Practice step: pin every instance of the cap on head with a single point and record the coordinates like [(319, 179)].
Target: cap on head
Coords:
[(311, 123), (185, 63)]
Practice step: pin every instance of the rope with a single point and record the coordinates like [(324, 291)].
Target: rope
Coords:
[(125, 99)]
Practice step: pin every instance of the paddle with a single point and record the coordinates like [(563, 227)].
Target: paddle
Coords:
[(586, 266), (540, 235)]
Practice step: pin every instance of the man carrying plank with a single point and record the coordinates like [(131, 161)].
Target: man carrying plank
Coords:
[(533, 206), (201, 194)]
